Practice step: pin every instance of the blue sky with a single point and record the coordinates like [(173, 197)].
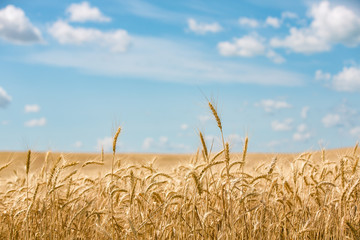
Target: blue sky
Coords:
[(285, 73)]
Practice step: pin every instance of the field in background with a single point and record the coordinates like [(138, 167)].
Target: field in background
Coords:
[(163, 162), (163, 196)]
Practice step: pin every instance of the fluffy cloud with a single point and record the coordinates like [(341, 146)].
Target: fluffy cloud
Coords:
[(282, 126), (161, 144), (16, 28), (331, 120), (269, 21), (330, 25), (83, 12), (235, 140), (5, 98), (275, 57), (117, 41), (248, 22), (204, 118), (184, 126), (29, 108), (289, 15), (273, 22), (105, 143), (78, 144), (355, 132), (304, 112), (270, 105), (302, 134), (348, 80), (274, 143), (343, 116), (320, 75), (247, 46), (150, 143), (203, 28), (36, 122)]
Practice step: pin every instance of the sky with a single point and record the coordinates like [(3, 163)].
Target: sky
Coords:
[(284, 73)]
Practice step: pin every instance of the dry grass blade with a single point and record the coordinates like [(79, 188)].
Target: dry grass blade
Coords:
[(204, 145), (353, 231), (5, 166), (197, 182), (92, 163)]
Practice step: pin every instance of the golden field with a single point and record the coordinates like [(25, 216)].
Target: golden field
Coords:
[(219, 195)]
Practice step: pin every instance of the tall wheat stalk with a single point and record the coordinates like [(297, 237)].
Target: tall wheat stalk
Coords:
[(111, 186), (27, 169)]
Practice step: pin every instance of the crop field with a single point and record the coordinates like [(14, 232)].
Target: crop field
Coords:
[(157, 120), (220, 195)]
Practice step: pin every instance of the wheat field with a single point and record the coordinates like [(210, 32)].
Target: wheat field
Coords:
[(207, 195)]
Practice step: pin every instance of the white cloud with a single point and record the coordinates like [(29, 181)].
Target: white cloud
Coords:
[(301, 136), (232, 138), (330, 25), (320, 75), (175, 61), (331, 120), (5, 122), (29, 108), (150, 143), (301, 42), (204, 118), (184, 126), (302, 128), (302, 133), (282, 126), (162, 144), (78, 144), (117, 41), (247, 46), (16, 28), (248, 22), (304, 112), (203, 28), (5, 98), (36, 122), (83, 12), (348, 80), (274, 143), (289, 15), (105, 143), (270, 105), (235, 140), (343, 117), (275, 57), (355, 132), (273, 22)]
